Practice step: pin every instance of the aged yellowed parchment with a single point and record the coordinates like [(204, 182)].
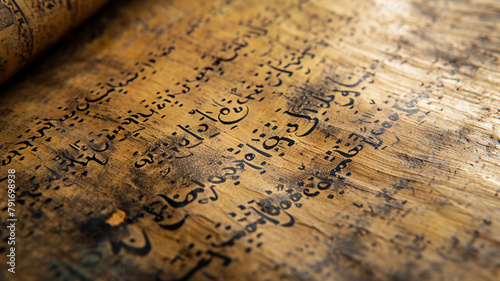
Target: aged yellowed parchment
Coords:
[(257, 140), (29, 27)]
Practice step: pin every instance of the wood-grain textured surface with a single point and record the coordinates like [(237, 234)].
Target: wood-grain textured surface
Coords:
[(30, 27), (260, 140)]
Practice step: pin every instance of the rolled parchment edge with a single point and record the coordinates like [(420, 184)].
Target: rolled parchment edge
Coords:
[(30, 27)]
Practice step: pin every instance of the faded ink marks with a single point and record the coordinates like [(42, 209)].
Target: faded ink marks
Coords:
[(6, 16), (47, 6), (16, 37)]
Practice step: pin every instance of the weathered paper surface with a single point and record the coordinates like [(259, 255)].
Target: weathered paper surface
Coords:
[(29, 27), (260, 140)]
